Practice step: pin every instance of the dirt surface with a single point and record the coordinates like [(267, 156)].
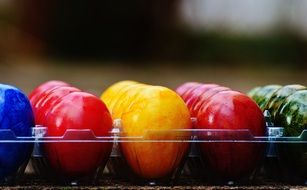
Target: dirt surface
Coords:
[(158, 187), (108, 182)]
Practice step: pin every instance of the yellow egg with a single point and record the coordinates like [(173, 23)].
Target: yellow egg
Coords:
[(126, 98), (113, 92), (155, 113)]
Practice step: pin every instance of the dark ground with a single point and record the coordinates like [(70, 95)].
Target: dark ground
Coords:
[(36, 182)]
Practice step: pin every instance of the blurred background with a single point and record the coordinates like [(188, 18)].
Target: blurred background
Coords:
[(92, 44)]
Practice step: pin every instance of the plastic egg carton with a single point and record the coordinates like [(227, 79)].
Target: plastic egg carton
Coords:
[(276, 163)]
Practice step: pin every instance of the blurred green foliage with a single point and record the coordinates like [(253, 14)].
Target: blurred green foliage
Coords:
[(276, 48)]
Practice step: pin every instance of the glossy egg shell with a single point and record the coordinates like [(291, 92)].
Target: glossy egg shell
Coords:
[(232, 110), (39, 91), (15, 114), (78, 110)]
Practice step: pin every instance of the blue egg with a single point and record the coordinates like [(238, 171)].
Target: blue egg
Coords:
[(15, 114)]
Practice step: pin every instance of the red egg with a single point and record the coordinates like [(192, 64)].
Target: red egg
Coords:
[(231, 110), (205, 97), (78, 110), (42, 90), (220, 108), (185, 89), (62, 108), (194, 95), (49, 100)]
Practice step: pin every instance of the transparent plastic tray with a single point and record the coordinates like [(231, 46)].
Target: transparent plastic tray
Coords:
[(193, 164)]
